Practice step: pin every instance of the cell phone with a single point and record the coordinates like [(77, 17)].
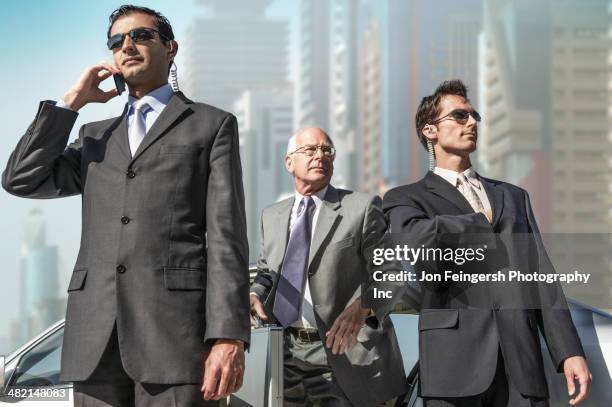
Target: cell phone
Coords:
[(119, 83)]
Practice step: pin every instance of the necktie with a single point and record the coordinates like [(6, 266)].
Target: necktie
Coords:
[(289, 293), (466, 189), (138, 128)]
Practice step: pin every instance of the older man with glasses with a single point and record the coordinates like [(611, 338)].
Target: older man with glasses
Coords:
[(310, 272)]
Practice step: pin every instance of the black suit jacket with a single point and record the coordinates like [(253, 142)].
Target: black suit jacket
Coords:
[(163, 252), (463, 326)]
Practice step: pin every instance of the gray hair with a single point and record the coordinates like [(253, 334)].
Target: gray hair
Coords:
[(291, 144)]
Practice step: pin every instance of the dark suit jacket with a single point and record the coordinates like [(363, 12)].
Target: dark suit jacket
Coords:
[(458, 347), (163, 250), (348, 224)]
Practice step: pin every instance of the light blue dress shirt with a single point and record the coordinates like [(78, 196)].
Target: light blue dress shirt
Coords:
[(157, 100)]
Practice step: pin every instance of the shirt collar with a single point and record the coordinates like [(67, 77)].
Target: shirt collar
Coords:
[(317, 197), (452, 176), (156, 99)]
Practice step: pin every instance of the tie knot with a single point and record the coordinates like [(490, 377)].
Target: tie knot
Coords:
[(140, 106), (305, 205), (462, 179)]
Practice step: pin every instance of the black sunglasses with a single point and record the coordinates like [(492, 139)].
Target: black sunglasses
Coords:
[(461, 116), (137, 35)]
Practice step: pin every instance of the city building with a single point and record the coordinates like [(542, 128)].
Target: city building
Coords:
[(343, 90), (544, 97), (39, 301), (265, 123), (543, 82), (370, 111), (233, 48), (416, 46), (312, 104)]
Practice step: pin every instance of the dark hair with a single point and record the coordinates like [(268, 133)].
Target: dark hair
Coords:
[(163, 25), (429, 108)]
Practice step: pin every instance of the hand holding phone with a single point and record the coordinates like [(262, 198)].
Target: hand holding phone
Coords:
[(119, 83), (87, 88)]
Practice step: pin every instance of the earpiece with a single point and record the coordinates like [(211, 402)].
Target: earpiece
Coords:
[(430, 128)]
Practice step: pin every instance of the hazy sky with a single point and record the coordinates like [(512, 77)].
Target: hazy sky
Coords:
[(45, 47)]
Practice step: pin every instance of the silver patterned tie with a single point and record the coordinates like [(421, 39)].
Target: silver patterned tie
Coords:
[(466, 189), (138, 128)]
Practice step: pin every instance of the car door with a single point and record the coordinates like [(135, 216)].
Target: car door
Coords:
[(32, 374)]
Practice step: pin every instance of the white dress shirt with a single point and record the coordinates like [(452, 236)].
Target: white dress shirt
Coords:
[(474, 180)]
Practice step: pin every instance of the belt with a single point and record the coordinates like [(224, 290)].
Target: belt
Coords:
[(304, 334)]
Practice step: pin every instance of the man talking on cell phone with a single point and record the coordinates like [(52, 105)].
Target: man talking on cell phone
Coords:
[(158, 300)]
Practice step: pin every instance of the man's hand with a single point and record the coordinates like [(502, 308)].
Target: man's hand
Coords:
[(343, 334), (575, 368), (223, 369), (257, 308), (87, 88)]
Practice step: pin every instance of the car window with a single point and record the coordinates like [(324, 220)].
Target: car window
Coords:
[(40, 366)]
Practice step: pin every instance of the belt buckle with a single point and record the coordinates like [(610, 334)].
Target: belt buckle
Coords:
[(304, 335)]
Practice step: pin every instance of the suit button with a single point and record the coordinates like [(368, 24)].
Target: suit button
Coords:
[(125, 220), (121, 269), (131, 174)]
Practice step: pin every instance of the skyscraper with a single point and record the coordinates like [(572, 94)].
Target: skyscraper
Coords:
[(234, 48), (544, 80), (265, 123), (419, 47), (39, 304), (370, 123), (343, 90), (312, 104), (544, 100)]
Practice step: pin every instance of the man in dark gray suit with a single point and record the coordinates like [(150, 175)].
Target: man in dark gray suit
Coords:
[(158, 300), (479, 343), (312, 265)]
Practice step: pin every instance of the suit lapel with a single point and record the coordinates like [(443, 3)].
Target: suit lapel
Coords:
[(120, 134), (176, 108), (444, 189), (326, 220), (496, 198)]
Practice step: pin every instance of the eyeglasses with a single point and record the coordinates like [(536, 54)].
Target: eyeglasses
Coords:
[(310, 150), (461, 116), (137, 35)]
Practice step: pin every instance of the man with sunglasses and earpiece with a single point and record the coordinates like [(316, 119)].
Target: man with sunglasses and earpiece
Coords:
[(158, 301), (312, 264), (479, 343)]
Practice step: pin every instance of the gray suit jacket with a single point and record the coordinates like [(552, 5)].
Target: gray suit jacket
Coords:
[(348, 223), (163, 250)]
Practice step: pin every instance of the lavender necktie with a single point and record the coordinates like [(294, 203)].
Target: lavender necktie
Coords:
[(138, 128), (289, 292)]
